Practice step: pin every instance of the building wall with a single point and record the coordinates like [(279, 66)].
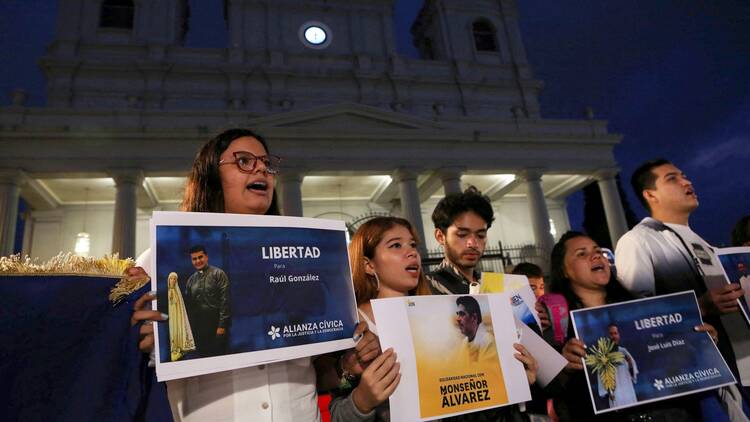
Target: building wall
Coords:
[(55, 231)]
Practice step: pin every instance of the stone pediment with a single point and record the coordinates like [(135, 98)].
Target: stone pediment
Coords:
[(344, 117)]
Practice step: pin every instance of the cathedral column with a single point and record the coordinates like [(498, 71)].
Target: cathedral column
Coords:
[(290, 183), (538, 209), (410, 205), (127, 182), (10, 194), (613, 210), (451, 178)]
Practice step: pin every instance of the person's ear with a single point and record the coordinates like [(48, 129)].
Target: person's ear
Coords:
[(649, 196), (369, 267), (440, 237)]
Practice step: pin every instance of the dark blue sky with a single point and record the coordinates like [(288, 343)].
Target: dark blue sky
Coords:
[(672, 76)]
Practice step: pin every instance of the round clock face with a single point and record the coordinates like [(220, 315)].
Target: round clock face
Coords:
[(315, 35)]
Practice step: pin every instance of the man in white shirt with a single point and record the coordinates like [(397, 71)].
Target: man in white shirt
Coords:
[(663, 255), (626, 375)]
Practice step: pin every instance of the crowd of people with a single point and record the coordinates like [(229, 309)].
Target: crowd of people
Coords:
[(234, 173)]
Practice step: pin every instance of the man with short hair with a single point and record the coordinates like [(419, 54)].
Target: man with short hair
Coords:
[(461, 223), (662, 255), (207, 304), (478, 344), (535, 276)]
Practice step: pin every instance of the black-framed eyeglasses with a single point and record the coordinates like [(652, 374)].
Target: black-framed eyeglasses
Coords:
[(247, 162)]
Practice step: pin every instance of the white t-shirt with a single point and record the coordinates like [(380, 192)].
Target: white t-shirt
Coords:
[(642, 249), (705, 255), (277, 392)]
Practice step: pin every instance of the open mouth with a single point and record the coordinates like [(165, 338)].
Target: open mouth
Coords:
[(259, 186), (597, 267), (413, 269)]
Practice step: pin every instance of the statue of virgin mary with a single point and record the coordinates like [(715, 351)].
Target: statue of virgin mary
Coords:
[(181, 338)]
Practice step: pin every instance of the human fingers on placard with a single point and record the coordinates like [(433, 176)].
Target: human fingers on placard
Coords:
[(370, 350), (524, 355), (573, 351), (142, 309), (541, 310), (388, 383), (142, 301), (136, 272), (528, 361), (359, 330), (147, 315), (708, 328), (727, 303), (350, 362), (367, 338), (381, 364), (146, 342), (146, 345), (384, 375)]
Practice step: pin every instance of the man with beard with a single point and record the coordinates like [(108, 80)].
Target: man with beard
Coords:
[(461, 224), (478, 345)]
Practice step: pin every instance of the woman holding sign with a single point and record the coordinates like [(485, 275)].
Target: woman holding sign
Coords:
[(581, 273), (385, 263), (234, 173)]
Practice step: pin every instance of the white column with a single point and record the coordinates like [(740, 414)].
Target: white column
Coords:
[(613, 210), (451, 178), (410, 206), (537, 208), (290, 184), (127, 182), (10, 193)]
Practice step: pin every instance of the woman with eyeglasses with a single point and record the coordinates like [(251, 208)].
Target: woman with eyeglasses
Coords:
[(581, 273), (234, 173)]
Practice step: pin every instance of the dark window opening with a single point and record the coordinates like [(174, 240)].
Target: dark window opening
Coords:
[(484, 36), (117, 14)]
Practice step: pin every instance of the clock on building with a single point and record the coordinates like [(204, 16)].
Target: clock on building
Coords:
[(315, 35)]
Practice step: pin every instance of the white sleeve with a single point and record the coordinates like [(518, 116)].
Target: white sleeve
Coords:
[(635, 269)]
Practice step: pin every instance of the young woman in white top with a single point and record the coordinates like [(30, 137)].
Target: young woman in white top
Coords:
[(234, 173)]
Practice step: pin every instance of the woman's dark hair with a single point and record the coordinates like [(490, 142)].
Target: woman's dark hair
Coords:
[(741, 232), (203, 191), (559, 282)]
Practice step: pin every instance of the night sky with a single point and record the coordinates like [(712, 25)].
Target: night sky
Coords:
[(672, 76)]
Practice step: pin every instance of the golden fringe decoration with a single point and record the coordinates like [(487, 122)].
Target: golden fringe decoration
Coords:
[(68, 263)]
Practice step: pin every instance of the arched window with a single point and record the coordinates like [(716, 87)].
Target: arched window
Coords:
[(117, 14), (484, 36)]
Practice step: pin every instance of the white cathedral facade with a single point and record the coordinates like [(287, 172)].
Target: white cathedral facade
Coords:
[(361, 129)]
